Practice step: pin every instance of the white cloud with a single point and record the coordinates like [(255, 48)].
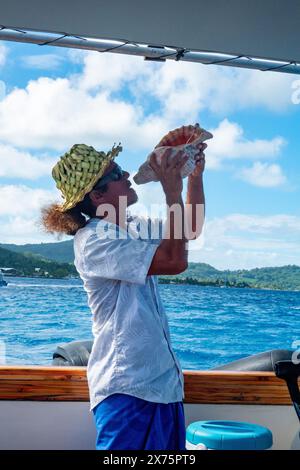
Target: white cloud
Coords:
[(230, 143), (23, 201), (18, 164), (21, 230), (3, 54), (296, 92), (263, 175), (243, 89), (239, 241), (42, 61), (54, 114), (185, 89), (260, 224), (109, 73), (20, 213), (92, 107), (2, 90)]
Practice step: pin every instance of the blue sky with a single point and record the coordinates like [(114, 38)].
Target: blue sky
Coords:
[(51, 98)]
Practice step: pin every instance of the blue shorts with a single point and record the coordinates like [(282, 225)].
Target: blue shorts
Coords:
[(125, 422)]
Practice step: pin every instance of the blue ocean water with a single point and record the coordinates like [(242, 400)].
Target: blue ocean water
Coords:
[(209, 326)]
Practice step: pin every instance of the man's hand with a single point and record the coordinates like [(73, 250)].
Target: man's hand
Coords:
[(169, 172), (200, 162)]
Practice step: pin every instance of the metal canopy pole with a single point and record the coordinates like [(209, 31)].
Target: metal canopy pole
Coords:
[(154, 53)]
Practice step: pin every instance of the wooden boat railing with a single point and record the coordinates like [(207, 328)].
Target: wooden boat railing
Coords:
[(53, 383)]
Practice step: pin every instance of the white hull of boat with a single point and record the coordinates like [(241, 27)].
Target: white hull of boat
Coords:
[(34, 425)]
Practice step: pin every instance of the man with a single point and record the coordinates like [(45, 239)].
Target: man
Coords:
[(135, 380)]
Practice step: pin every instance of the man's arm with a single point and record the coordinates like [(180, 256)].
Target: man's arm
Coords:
[(171, 255), (195, 199)]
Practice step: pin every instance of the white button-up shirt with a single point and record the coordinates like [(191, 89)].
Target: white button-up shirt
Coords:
[(132, 350)]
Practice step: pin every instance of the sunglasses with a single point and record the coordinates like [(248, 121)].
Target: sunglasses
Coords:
[(114, 175)]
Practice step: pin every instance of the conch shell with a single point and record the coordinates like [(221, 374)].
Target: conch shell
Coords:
[(185, 138)]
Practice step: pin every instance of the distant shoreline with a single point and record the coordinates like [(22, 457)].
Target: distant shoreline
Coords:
[(167, 282), (8, 276), (209, 284)]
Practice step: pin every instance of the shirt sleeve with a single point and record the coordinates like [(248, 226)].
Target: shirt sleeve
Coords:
[(118, 259)]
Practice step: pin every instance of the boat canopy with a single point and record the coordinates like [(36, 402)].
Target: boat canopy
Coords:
[(251, 34)]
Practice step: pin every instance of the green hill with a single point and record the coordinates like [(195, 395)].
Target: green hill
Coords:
[(32, 265), (283, 277), (60, 251)]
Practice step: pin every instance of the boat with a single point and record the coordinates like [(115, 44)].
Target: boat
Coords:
[(2, 280), (47, 407)]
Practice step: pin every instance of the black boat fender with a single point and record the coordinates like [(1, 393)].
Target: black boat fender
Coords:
[(76, 353)]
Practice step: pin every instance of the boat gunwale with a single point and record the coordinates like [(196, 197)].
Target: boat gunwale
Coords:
[(68, 383)]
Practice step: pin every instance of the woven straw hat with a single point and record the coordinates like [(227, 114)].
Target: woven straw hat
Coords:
[(78, 170)]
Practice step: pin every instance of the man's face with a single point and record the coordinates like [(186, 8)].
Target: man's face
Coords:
[(115, 189)]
